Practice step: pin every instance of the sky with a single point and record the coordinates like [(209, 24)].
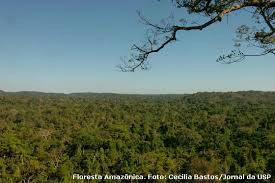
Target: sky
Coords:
[(74, 46)]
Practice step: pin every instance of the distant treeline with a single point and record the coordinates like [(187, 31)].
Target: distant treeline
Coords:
[(47, 139)]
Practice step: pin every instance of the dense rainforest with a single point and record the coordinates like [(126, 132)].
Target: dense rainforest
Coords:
[(47, 139)]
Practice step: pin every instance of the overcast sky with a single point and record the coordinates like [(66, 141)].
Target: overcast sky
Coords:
[(74, 46)]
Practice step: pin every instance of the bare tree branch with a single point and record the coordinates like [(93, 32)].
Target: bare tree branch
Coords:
[(162, 35)]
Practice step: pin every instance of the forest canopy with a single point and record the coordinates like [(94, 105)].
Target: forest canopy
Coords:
[(50, 138)]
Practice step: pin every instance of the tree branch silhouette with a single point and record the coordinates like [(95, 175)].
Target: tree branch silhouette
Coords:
[(165, 33)]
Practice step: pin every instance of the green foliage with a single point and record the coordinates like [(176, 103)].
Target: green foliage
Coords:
[(49, 138)]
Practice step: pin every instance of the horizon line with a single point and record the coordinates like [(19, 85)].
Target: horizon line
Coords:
[(121, 93)]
